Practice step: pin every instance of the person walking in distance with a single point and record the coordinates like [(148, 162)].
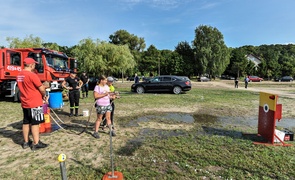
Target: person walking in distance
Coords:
[(74, 92), (32, 94), (102, 96), (246, 82), (236, 82), (85, 79), (136, 78)]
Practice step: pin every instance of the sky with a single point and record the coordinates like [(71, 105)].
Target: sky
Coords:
[(162, 23)]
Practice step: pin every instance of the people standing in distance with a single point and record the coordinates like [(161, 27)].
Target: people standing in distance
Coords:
[(74, 85), (85, 79), (32, 94)]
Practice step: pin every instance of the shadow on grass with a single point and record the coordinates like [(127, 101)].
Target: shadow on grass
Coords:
[(15, 135)]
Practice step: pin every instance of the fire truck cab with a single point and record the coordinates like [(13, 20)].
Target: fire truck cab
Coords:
[(53, 67)]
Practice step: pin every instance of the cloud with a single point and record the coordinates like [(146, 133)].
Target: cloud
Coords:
[(159, 4)]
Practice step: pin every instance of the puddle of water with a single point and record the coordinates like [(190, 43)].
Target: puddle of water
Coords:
[(210, 124), (177, 117), (253, 122), (205, 119), (186, 118)]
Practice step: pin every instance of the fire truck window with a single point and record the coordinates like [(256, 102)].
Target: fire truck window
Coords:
[(15, 59), (40, 67)]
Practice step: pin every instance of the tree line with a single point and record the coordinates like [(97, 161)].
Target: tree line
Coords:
[(125, 54)]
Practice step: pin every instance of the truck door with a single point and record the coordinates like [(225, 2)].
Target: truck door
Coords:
[(13, 64), (39, 68)]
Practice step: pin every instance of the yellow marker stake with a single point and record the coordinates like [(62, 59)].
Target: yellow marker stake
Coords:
[(61, 159)]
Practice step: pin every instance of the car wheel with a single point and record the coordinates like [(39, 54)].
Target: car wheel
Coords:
[(140, 90), (177, 90)]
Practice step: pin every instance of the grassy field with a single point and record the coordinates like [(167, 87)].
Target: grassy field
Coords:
[(196, 135)]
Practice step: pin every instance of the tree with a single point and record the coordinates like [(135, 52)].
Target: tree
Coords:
[(150, 62), (122, 37), (116, 58), (171, 62), (238, 62), (98, 57), (27, 42), (188, 58), (251, 68), (211, 52), (134, 43)]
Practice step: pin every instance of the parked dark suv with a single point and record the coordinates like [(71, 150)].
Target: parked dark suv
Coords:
[(164, 83), (284, 79)]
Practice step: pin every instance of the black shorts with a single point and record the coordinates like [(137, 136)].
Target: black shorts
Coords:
[(33, 116)]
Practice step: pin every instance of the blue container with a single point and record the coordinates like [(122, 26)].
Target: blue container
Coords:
[(55, 100)]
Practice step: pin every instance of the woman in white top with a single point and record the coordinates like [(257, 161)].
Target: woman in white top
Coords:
[(102, 96)]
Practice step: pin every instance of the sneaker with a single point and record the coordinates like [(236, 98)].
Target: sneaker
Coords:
[(76, 115), (27, 144), (71, 115), (96, 135), (113, 133), (38, 146)]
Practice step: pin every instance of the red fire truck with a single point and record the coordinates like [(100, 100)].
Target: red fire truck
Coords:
[(53, 67)]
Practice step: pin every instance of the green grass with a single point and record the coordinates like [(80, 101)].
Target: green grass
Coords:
[(205, 150)]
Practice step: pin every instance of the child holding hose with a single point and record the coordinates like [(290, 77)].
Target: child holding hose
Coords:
[(102, 96)]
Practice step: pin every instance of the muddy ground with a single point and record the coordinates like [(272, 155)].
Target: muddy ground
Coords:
[(15, 161)]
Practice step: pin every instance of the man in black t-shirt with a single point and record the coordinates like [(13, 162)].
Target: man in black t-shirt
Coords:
[(84, 78), (74, 85)]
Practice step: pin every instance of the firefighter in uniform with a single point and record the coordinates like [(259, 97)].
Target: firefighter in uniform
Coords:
[(74, 85)]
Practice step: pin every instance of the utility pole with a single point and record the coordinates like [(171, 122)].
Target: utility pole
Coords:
[(159, 67)]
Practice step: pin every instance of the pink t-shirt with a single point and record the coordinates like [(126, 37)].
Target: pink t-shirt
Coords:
[(104, 101)]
